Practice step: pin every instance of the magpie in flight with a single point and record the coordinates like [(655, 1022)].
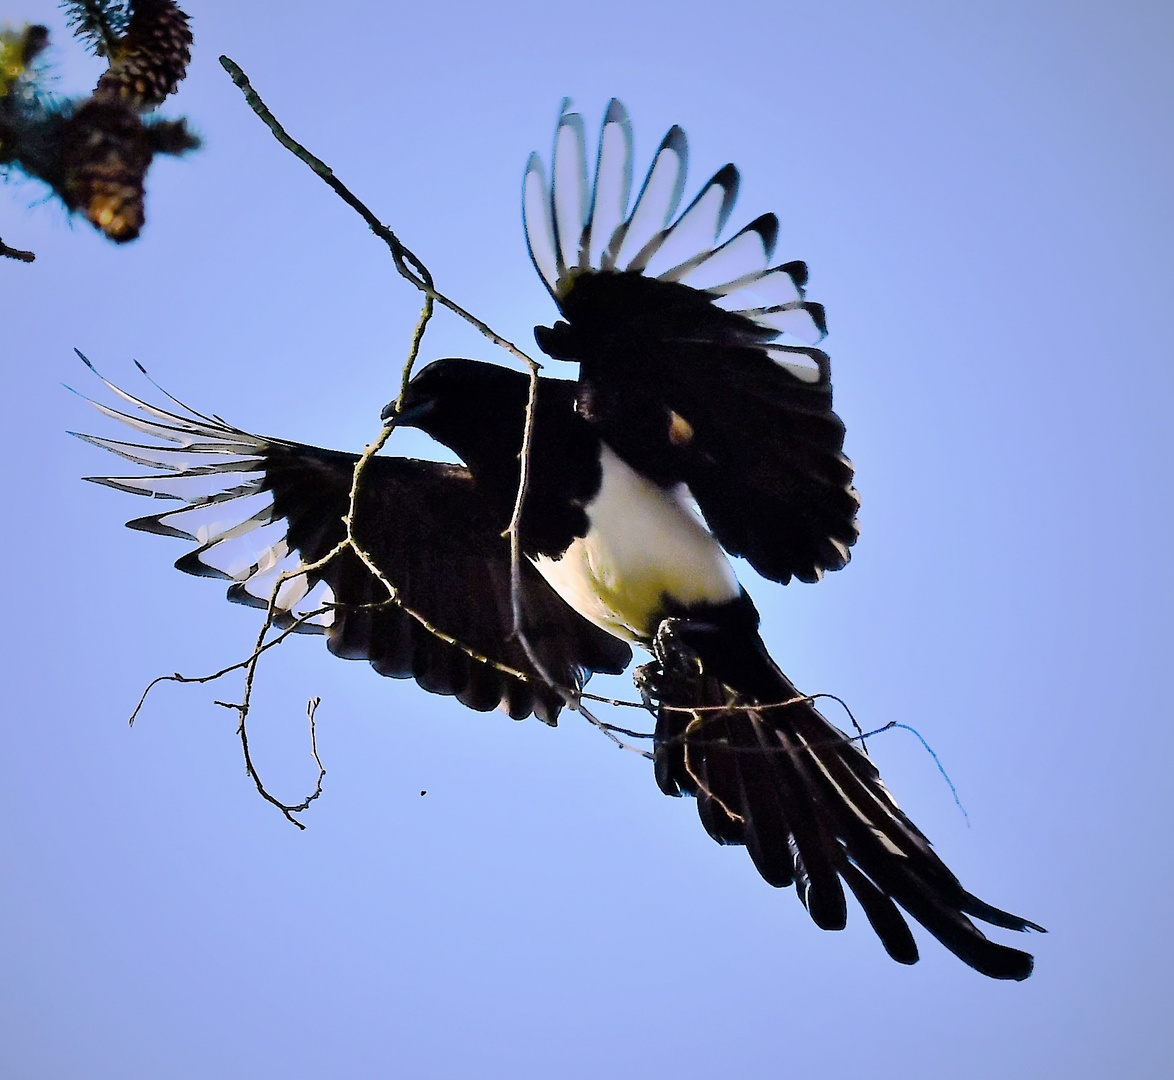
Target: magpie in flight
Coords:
[(700, 426)]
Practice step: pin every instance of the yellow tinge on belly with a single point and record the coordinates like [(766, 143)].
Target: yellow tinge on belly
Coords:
[(645, 545)]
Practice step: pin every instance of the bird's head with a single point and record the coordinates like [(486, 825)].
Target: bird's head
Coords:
[(475, 409)]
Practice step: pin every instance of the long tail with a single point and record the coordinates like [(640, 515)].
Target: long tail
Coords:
[(769, 771)]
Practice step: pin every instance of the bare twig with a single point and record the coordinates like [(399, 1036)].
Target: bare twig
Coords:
[(421, 277), (249, 665), (698, 779), (16, 253), (413, 270), (514, 529), (612, 731)]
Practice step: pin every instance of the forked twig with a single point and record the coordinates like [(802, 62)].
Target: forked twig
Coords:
[(178, 678), (412, 269), (287, 809)]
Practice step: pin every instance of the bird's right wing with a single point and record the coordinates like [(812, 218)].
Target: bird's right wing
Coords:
[(257, 507)]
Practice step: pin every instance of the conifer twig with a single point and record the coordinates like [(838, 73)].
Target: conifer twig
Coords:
[(16, 253)]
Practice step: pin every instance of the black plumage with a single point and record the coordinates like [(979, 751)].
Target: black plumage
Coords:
[(697, 357), (769, 771), (690, 387), (765, 459), (779, 778), (428, 529)]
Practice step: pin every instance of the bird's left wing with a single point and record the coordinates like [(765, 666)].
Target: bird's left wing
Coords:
[(256, 508), (698, 358)]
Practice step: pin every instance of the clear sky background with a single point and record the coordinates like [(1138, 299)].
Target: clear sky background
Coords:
[(983, 194)]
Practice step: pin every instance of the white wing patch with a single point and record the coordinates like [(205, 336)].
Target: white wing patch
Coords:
[(217, 474), (713, 269), (568, 188), (801, 363), (645, 544), (537, 220), (574, 226), (613, 183)]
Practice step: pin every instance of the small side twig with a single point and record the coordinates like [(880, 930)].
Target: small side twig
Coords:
[(288, 809), (178, 678), (16, 253), (698, 779)]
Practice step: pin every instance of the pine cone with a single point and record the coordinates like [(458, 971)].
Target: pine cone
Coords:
[(105, 153), (150, 59)]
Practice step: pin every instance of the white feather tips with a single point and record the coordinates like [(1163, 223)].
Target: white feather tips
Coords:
[(568, 189), (613, 186), (215, 473), (537, 222), (657, 202), (574, 226), (806, 365)]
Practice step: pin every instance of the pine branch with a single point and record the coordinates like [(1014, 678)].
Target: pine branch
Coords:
[(94, 152), (98, 23)]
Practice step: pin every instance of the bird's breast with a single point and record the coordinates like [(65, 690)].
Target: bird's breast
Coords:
[(646, 549)]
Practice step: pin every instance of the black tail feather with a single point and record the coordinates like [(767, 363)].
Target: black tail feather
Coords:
[(769, 771), (817, 856), (882, 914)]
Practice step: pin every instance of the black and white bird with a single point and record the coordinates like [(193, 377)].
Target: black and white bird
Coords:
[(700, 426)]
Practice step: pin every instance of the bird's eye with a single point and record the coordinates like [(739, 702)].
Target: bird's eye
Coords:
[(680, 430)]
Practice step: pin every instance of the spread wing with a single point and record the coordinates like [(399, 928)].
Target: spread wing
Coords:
[(698, 358), (256, 507)]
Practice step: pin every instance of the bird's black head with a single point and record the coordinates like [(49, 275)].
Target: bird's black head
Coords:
[(477, 410)]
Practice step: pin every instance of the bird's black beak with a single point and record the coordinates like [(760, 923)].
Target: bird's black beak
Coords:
[(411, 412)]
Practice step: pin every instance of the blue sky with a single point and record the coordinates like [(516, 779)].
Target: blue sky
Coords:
[(982, 194)]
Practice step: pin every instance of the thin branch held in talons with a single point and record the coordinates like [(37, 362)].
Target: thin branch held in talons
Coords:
[(422, 279)]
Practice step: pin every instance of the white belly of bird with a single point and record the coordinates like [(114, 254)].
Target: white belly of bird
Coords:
[(645, 544)]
